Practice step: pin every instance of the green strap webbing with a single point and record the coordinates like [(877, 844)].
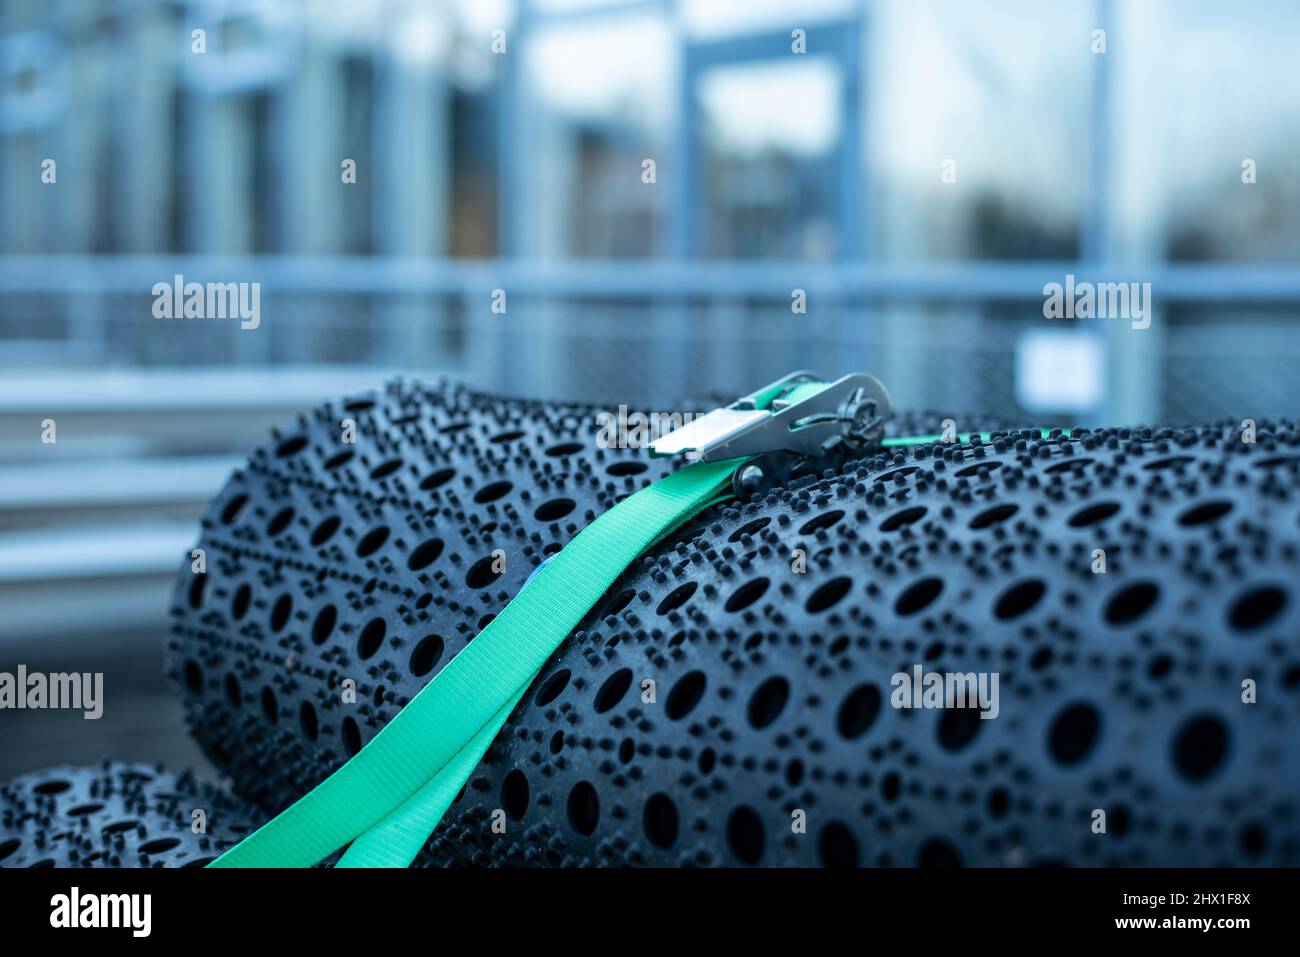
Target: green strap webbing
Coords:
[(395, 840), (420, 759), (963, 438)]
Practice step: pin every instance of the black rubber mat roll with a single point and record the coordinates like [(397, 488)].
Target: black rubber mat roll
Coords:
[(733, 699), (116, 815)]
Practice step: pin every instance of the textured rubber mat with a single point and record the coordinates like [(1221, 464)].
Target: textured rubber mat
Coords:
[(116, 815), (733, 700)]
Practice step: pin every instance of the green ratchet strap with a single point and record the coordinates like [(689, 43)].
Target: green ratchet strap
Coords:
[(418, 762), (390, 796)]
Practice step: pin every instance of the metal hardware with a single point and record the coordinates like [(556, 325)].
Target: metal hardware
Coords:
[(848, 413)]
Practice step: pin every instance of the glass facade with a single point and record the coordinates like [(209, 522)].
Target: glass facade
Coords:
[(649, 183)]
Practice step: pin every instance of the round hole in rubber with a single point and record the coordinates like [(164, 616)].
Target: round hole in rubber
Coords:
[(373, 541), (994, 515), (749, 528), (660, 820), (613, 689), (1092, 514), (746, 594), (677, 597), (918, 596), (323, 626), (239, 604), (482, 573), (978, 469), (234, 694), (552, 687), (425, 554), (435, 479), (1204, 513), (1019, 599), (372, 637), (159, 845), (426, 655), (514, 794), (1068, 465), (837, 846), (234, 509), (554, 510), (280, 521), (936, 852), (858, 711), (828, 594), (1171, 462), (619, 602), (903, 518), (1131, 602), (768, 701), (745, 834), (1200, 746), (281, 611), (385, 469), (583, 808), (685, 695), (958, 727), (325, 530), (822, 521), (307, 720), (339, 460), (1256, 608), (1073, 733), (493, 491), (198, 594), (351, 733), (270, 706)]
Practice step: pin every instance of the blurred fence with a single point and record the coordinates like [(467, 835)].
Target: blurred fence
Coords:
[(1223, 339)]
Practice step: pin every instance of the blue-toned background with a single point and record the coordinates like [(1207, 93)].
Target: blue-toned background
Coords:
[(522, 171)]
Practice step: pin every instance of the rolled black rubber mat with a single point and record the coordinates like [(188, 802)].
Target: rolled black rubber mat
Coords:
[(116, 815), (733, 700)]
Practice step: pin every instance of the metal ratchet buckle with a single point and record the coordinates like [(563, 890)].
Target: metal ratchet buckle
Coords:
[(784, 435)]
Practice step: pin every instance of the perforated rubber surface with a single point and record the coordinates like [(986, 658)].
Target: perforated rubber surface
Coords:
[(116, 815), (1120, 691)]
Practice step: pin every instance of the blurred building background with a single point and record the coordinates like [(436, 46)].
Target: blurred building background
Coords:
[(502, 145)]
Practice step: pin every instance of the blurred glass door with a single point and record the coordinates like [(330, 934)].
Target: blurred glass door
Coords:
[(771, 143)]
